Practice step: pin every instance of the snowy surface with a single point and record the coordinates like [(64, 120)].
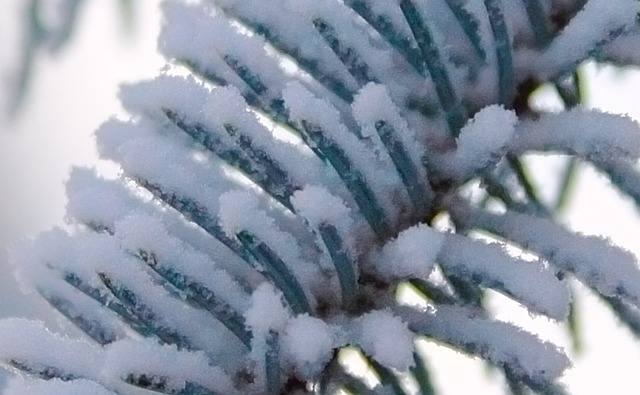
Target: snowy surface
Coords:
[(30, 343), (611, 270), (308, 343), (267, 311), (412, 254), (490, 265), (584, 34), (483, 141), (318, 206), (178, 367), (588, 133), (387, 339), (499, 342)]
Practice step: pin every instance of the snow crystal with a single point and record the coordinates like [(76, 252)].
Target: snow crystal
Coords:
[(373, 104), (288, 26), (225, 106), (183, 324), (412, 254), (362, 50), (588, 133), (489, 265), (164, 92), (30, 343), (298, 98), (483, 141), (597, 23), (186, 35), (387, 339), (250, 54), (175, 367), (54, 250), (101, 202), (147, 233), (241, 211), (308, 344), (95, 201), (267, 311), (499, 342), (161, 311), (184, 29), (197, 177), (611, 270), (378, 172), (317, 205)]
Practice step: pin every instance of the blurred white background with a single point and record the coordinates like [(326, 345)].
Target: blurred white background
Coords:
[(73, 92)]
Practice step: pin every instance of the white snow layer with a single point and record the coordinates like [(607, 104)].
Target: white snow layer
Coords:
[(378, 172), (176, 368), (609, 269), (373, 104), (215, 109), (318, 206), (412, 254), (267, 311), (491, 266), (187, 36), (416, 250), (499, 342), (588, 133), (95, 201), (599, 22), (241, 211), (308, 344), (156, 154), (482, 141), (386, 338), (99, 202), (147, 234), (30, 343)]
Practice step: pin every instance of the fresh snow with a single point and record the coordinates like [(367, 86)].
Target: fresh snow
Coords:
[(30, 343), (499, 342), (318, 206), (308, 344), (609, 269), (491, 266), (412, 254), (598, 23), (588, 133), (267, 311), (483, 141), (175, 367), (386, 338)]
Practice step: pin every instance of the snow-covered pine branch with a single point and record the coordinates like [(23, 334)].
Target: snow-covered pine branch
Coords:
[(270, 203)]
